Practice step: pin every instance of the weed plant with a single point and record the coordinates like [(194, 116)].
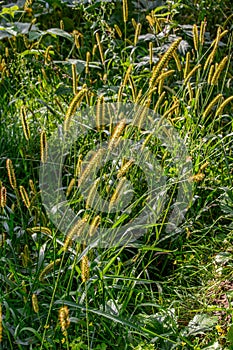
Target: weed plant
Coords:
[(166, 291)]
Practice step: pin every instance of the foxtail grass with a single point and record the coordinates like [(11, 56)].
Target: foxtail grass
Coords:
[(75, 232), (24, 196), (91, 194), (92, 164), (223, 105), (117, 29), (25, 125), (116, 134), (64, 320), (43, 147), (125, 10), (3, 196), (195, 37), (117, 193), (75, 103), (88, 57), (163, 62), (211, 105), (50, 267), (94, 225), (100, 47), (74, 78), (85, 270), (35, 304), (137, 33), (11, 174), (124, 168), (100, 112), (218, 71), (191, 73)]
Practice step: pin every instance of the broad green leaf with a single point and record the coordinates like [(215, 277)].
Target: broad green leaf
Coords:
[(201, 323), (60, 32), (114, 318), (31, 52), (9, 11)]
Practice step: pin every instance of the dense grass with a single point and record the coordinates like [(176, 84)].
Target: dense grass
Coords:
[(169, 289)]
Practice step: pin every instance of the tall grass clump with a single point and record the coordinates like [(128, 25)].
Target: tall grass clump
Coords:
[(167, 289)]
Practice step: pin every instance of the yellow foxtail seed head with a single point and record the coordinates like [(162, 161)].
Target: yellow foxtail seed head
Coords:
[(74, 78), (137, 33), (78, 168), (99, 44), (150, 20), (94, 225), (202, 32), (151, 52), (24, 196), (119, 94), (63, 316), (32, 187), (47, 54), (72, 108), (100, 112), (172, 109), (210, 75), (85, 270), (116, 133), (91, 194), (204, 166), (3, 196), (134, 23), (88, 57), (139, 95), (159, 101), (195, 37), (117, 29), (187, 64), (211, 105), (93, 162), (177, 60), (23, 117), (125, 11), (94, 50), (41, 229), (219, 70), (133, 88), (43, 147), (163, 61), (25, 256), (197, 178), (160, 86), (223, 105), (190, 91), (11, 173), (196, 68), (215, 43), (70, 187), (123, 170), (48, 269), (127, 74), (35, 303), (117, 193), (75, 231)]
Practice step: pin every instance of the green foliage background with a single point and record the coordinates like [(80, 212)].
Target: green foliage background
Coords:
[(171, 292)]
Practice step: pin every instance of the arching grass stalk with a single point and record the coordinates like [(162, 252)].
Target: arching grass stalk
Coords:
[(52, 302), (85, 277)]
